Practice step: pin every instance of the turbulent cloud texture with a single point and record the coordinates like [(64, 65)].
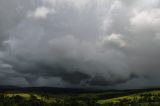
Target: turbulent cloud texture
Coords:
[(80, 43)]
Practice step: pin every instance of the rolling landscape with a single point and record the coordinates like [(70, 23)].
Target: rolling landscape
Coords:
[(49, 96)]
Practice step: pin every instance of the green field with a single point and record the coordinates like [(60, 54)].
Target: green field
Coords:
[(27, 96), (150, 98), (105, 98)]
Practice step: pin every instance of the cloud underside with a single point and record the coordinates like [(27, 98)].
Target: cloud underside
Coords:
[(84, 43)]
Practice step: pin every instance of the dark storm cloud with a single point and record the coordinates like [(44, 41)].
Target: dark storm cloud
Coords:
[(109, 43)]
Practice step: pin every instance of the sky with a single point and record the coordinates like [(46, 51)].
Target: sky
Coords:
[(80, 43)]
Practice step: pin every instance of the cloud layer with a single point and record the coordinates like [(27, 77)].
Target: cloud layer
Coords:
[(84, 43)]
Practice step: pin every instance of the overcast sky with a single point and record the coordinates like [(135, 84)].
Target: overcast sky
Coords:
[(80, 43)]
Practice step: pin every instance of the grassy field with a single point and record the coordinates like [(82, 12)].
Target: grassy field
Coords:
[(142, 99), (27, 96), (117, 100), (104, 98)]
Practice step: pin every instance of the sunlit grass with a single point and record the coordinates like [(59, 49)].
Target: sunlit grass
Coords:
[(24, 95), (117, 100), (129, 97), (27, 96)]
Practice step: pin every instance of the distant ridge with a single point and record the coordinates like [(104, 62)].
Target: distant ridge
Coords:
[(54, 90), (57, 90)]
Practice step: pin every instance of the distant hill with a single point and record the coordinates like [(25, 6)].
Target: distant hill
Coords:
[(56, 90), (53, 90)]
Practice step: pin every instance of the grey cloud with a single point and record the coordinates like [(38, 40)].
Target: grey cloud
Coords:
[(108, 43)]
